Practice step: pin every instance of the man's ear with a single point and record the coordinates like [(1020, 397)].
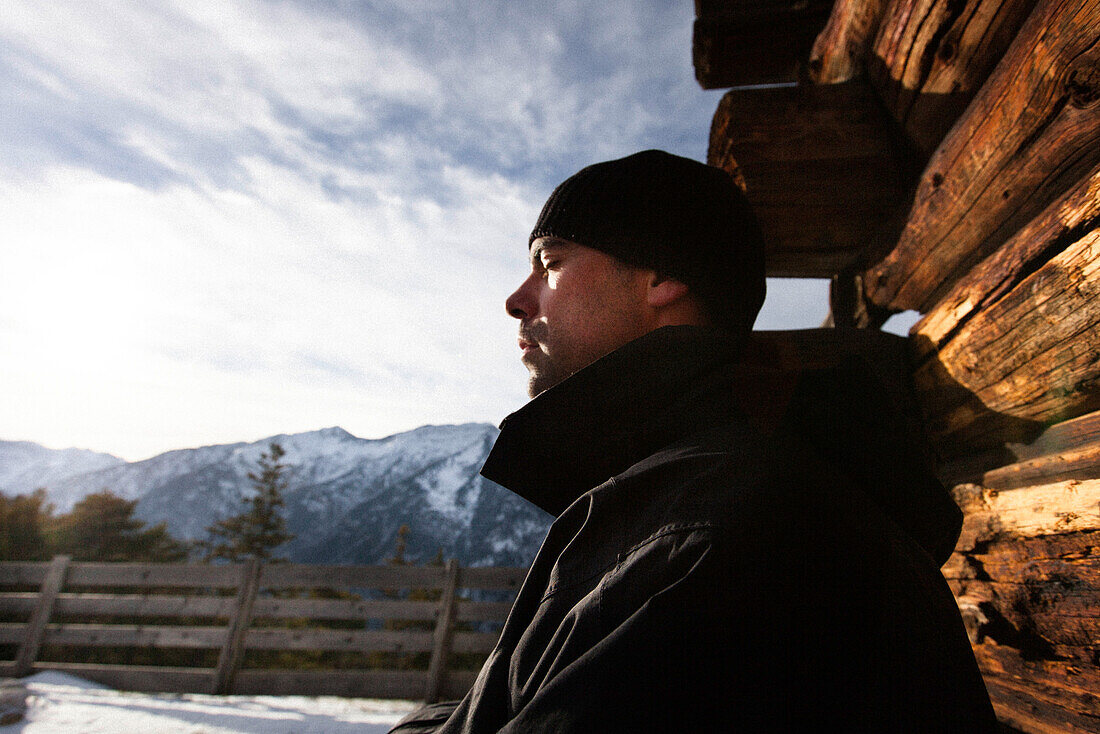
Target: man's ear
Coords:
[(663, 290)]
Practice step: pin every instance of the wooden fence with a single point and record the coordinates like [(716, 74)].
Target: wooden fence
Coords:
[(365, 615)]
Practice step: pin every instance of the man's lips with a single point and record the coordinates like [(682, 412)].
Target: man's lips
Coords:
[(527, 345)]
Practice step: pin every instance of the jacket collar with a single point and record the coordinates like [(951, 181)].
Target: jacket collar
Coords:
[(658, 389)]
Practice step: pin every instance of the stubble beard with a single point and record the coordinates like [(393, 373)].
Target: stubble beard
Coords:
[(545, 372)]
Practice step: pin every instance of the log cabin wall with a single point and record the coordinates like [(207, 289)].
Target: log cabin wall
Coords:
[(944, 156)]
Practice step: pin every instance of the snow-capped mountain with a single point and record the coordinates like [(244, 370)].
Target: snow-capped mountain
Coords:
[(346, 498), (26, 466)]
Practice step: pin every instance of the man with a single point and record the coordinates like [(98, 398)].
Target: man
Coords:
[(736, 548)]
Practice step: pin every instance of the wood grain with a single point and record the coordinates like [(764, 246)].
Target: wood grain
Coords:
[(840, 50), (1030, 134), (1027, 360), (930, 57), (820, 167)]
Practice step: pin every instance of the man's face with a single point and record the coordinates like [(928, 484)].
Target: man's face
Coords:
[(577, 305)]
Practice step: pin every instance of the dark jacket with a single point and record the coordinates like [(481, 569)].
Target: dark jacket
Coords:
[(736, 549)]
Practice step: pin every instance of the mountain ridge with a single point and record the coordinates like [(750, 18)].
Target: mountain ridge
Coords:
[(346, 498)]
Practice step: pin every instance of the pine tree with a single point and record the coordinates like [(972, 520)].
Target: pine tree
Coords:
[(102, 527), (260, 528), (22, 522)]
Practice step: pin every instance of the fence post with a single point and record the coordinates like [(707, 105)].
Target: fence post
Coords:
[(43, 608), (229, 660), (441, 644)]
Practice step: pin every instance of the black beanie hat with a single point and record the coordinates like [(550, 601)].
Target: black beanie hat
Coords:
[(684, 219)]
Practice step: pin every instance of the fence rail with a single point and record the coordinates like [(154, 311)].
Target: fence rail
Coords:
[(72, 609)]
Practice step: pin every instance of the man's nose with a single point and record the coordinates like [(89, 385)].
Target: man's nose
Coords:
[(522, 304)]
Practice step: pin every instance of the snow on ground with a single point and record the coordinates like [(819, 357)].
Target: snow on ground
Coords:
[(64, 704)]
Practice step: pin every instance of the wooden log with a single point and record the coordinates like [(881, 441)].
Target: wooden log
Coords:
[(285, 575), (1061, 507), (232, 650), (1065, 436), (1040, 695), (12, 633), (36, 627), (267, 638), (1044, 588), (167, 575), (142, 605), (120, 635), (746, 42), (1025, 361), (276, 608), (1030, 134), (1065, 221), (1083, 463), (931, 56), (491, 577), (819, 165), (23, 573), (441, 643), (13, 701), (138, 677), (482, 611), (840, 50)]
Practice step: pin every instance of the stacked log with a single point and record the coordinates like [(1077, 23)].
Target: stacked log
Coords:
[(781, 142), (1031, 132), (745, 42), (932, 56), (997, 242)]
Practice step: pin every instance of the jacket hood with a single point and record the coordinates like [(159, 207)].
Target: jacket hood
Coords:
[(679, 381)]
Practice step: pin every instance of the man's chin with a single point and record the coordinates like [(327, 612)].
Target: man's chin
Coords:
[(539, 382)]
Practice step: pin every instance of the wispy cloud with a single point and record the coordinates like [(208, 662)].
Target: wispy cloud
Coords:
[(222, 220)]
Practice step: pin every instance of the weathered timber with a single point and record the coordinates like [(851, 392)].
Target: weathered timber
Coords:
[(23, 573), (441, 645), (489, 577), (848, 308), (820, 166), (1060, 507), (1031, 132), (1040, 695), (232, 646), (1026, 360), (840, 50), (142, 605), (1030, 607), (488, 611), (88, 635), (161, 575), (1065, 221), (279, 608), (13, 701), (195, 596), (308, 638), (284, 575), (931, 56), (1037, 594), (36, 627), (1083, 463), (1065, 436), (745, 42)]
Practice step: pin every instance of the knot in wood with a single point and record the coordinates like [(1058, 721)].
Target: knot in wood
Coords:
[(1083, 85)]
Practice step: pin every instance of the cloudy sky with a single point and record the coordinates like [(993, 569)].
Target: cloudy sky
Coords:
[(226, 219)]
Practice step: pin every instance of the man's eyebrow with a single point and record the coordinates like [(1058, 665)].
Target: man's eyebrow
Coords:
[(541, 245)]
